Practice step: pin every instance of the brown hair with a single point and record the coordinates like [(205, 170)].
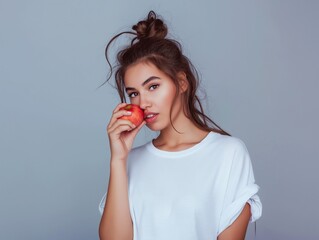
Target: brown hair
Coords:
[(150, 45)]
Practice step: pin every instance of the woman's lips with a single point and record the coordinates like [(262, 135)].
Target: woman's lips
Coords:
[(151, 119)]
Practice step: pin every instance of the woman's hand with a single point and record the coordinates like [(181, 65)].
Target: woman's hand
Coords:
[(121, 133)]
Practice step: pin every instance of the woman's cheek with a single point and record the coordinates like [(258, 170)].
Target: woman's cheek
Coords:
[(167, 96), (133, 101)]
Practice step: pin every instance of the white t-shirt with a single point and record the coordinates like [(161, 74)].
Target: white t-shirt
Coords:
[(192, 194)]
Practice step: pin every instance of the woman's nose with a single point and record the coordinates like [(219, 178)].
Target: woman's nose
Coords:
[(144, 102)]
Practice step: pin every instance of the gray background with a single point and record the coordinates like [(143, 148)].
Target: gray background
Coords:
[(259, 66)]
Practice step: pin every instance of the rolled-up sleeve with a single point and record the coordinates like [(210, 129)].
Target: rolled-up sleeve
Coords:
[(241, 189), (102, 204)]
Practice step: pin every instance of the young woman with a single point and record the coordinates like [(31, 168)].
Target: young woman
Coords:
[(192, 182)]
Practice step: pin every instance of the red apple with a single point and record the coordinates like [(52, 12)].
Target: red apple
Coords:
[(137, 115)]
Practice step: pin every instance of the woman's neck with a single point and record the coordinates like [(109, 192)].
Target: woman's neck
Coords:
[(189, 135)]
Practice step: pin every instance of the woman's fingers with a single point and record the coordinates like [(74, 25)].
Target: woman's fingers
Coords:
[(122, 128), (119, 106), (117, 113), (121, 113), (140, 126), (135, 130), (120, 122), (116, 125)]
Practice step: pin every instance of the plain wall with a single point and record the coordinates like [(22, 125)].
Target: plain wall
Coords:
[(259, 68)]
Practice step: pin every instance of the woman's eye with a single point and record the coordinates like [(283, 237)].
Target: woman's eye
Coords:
[(152, 87), (131, 94), (155, 85)]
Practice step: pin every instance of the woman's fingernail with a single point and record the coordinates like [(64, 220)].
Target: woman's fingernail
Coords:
[(128, 113)]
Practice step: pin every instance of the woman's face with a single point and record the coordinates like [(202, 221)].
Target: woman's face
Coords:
[(154, 92)]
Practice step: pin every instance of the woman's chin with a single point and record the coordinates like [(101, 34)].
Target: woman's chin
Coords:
[(153, 127)]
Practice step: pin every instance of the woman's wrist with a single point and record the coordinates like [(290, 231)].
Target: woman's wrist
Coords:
[(116, 161)]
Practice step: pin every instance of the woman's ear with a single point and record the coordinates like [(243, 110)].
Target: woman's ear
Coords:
[(183, 82)]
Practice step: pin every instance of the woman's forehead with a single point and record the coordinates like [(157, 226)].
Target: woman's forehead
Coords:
[(140, 72)]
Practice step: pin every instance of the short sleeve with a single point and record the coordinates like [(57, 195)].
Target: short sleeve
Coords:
[(102, 204), (241, 188)]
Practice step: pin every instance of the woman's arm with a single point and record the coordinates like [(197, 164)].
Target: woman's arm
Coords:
[(237, 230), (116, 222)]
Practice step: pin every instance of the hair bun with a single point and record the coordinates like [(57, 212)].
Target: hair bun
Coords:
[(151, 27)]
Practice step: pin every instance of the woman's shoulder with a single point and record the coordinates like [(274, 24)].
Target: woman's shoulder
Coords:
[(229, 142), (232, 150)]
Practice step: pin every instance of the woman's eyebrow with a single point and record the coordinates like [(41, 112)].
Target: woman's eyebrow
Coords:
[(144, 83)]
